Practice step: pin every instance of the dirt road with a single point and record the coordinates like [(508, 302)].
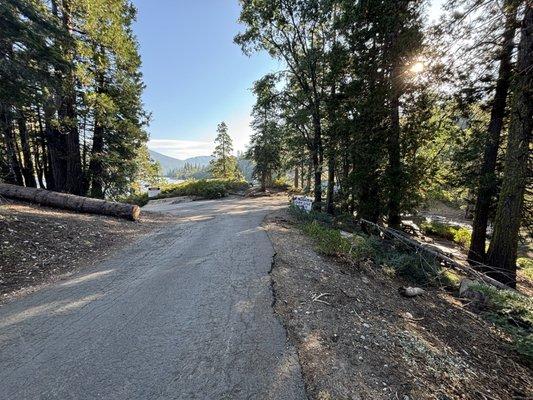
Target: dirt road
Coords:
[(184, 313)]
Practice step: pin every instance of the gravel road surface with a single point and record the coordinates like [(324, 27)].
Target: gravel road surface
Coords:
[(184, 313)]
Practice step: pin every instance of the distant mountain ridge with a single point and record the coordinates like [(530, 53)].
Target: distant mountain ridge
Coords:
[(170, 163)]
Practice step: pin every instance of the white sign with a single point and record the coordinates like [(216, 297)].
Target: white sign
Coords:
[(153, 192), (303, 202)]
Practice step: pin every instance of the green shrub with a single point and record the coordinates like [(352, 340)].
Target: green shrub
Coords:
[(412, 266), (438, 229), (360, 246), (303, 215), (450, 278), (462, 237), (205, 189), (139, 199), (281, 183), (365, 247), (329, 241), (347, 222), (526, 265), (514, 313), (459, 235)]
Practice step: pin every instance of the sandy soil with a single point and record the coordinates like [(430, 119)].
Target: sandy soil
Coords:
[(39, 244), (357, 338)]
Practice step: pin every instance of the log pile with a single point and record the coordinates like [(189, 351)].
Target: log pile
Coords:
[(70, 202)]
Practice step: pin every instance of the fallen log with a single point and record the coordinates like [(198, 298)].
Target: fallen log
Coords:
[(70, 202), (438, 255)]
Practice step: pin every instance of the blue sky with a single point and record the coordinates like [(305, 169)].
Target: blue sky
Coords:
[(195, 75)]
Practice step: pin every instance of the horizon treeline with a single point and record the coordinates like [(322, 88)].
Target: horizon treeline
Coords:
[(71, 116), (379, 113)]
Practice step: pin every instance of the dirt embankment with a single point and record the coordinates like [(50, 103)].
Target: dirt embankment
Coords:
[(358, 338), (39, 244)]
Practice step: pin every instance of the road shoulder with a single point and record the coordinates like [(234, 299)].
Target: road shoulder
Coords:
[(356, 337), (40, 245)]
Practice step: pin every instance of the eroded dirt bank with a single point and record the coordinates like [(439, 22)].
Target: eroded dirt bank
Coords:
[(357, 338)]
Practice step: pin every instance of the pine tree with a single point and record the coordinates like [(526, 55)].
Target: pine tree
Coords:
[(487, 186), (71, 108), (294, 32), (224, 165), (266, 141), (503, 246)]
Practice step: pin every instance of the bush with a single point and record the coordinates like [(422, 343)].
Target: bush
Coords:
[(329, 241), (412, 266), (438, 229), (514, 313), (303, 215), (281, 184), (459, 235), (364, 247), (451, 279), (205, 189), (526, 265), (462, 237), (139, 199)]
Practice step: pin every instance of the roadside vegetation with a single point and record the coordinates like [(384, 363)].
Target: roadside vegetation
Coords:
[(510, 310), (526, 266), (513, 312), (458, 234), (204, 189), (360, 335)]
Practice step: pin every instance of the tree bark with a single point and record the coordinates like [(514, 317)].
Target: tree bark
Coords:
[(504, 244), (13, 170), (317, 158), (296, 177), (56, 145), (70, 202), (74, 182), (28, 170), (96, 168), (393, 143), (331, 185), (42, 165), (309, 176), (263, 180), (368, 205), (394, 178), (487, 185)]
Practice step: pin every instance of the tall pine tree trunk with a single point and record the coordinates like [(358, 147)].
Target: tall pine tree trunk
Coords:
[(56, 146), (13, 170), (317, 159), (42, 165), (393, 141), (503, 247), (331, 185), (74, 177), (28, 170), (309, 177), (394, 176), (263, 180), (487, 185), (96, 168)]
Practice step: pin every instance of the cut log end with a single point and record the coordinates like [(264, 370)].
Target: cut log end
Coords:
[(135, 213)]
